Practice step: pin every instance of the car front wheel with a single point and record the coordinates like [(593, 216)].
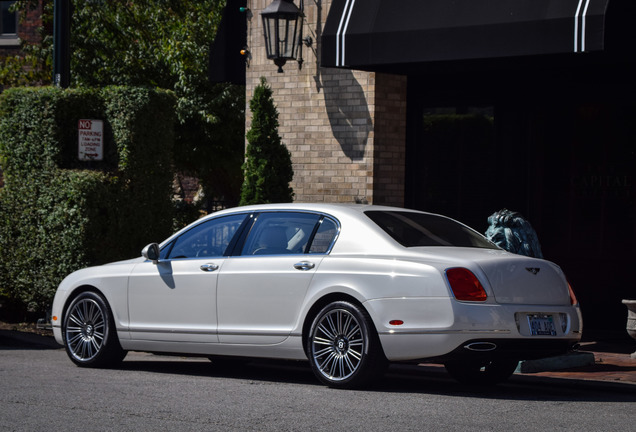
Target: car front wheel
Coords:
[(343, 347), (89, 332)]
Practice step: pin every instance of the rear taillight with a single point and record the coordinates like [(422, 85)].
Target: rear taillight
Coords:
[(465, 285), (573, 299)]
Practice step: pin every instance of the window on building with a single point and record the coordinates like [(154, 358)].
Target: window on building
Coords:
[(8, 20), (454, 163)]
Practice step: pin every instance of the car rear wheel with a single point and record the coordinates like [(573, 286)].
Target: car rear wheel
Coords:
[(89, 332), (483, 372), (343, 348)]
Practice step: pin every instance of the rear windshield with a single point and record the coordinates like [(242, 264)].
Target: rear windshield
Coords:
[(418, 229)]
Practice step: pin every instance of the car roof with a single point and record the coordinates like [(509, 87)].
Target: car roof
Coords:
[(347, 214), (354, 225), (333, 208)]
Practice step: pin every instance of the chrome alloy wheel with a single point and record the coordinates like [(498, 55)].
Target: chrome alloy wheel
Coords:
[(338, 344), (85, 329)]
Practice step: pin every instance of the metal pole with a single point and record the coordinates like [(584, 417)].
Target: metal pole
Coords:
[(61, 43)]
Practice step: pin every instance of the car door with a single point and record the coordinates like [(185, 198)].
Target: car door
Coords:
[(261, 290), (175, 298)]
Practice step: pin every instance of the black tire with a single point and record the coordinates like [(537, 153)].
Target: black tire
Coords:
[(89, 332), (482, 373), (343, 347)]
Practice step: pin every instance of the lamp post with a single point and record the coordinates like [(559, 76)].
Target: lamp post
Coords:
[(282, 26), (61, 43)]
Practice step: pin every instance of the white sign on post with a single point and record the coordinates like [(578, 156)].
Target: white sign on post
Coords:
[(90, 140)]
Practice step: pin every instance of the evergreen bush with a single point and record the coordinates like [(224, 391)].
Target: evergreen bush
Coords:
[(267, 168)]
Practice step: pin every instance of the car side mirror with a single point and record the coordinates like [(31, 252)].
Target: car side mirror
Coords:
[(151, 252)]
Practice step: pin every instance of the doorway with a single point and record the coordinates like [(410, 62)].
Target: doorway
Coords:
[(566, 164)]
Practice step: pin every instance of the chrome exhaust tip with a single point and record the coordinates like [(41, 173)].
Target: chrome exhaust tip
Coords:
[(481, 346)]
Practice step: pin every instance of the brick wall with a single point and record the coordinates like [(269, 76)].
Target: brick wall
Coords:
[(390, 138), (345, 129)]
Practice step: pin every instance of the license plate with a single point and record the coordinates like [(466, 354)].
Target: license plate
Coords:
[(542, 325)]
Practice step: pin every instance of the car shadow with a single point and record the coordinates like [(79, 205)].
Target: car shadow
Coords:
[(520, 387), (283, 371), (399, 378)]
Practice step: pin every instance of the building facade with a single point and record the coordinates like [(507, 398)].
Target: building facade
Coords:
[(15, 28), (468, 108), (344, 128)]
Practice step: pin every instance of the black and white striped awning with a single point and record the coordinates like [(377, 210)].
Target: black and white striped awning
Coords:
[(371, 34)]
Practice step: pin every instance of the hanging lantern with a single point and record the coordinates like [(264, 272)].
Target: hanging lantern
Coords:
[(282, 25)]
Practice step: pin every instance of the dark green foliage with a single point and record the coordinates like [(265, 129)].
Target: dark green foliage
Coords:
[(211, 147), (58, 214), (267, 169), (165, 43), (159, 43)]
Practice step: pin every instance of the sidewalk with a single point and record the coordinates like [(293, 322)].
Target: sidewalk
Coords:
[(612, 363)]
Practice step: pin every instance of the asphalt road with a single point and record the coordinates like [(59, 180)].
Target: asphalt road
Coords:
[(41, 390)]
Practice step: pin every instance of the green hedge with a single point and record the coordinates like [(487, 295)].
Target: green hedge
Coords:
[(59, 214)]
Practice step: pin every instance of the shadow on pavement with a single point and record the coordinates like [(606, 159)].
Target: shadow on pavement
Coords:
[(30, 341), (400, 378), (407, 379)]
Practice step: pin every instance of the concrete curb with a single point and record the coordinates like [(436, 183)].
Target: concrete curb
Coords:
[(567, 361)]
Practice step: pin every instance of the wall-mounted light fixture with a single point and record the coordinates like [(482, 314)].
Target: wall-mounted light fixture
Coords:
[(283, 28)]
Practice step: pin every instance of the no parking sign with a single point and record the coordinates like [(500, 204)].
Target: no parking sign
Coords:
[(90, 140)]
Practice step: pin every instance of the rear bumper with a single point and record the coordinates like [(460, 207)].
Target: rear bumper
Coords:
[(442, 328), (449, 345), (513, 349), (57, 334)]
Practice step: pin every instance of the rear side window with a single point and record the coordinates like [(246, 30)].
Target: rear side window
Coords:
[(419, 229), (280, 233), (287, 233)]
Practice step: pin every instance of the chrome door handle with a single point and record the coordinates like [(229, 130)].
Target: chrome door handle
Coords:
[(304, 265), (209, 267)]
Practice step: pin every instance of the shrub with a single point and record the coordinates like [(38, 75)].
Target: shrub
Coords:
[(59, 214), (267, 168)]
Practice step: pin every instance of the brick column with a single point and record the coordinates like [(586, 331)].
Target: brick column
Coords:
[(345, 129)]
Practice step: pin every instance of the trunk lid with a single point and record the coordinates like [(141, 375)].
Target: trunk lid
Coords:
[(526, 280), (513, 279)]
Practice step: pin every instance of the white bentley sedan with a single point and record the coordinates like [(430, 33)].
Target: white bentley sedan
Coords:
[(347, 287)]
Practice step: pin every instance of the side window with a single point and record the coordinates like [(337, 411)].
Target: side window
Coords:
[(280, 233), (163, 255), (324, 238), (208, 239)]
